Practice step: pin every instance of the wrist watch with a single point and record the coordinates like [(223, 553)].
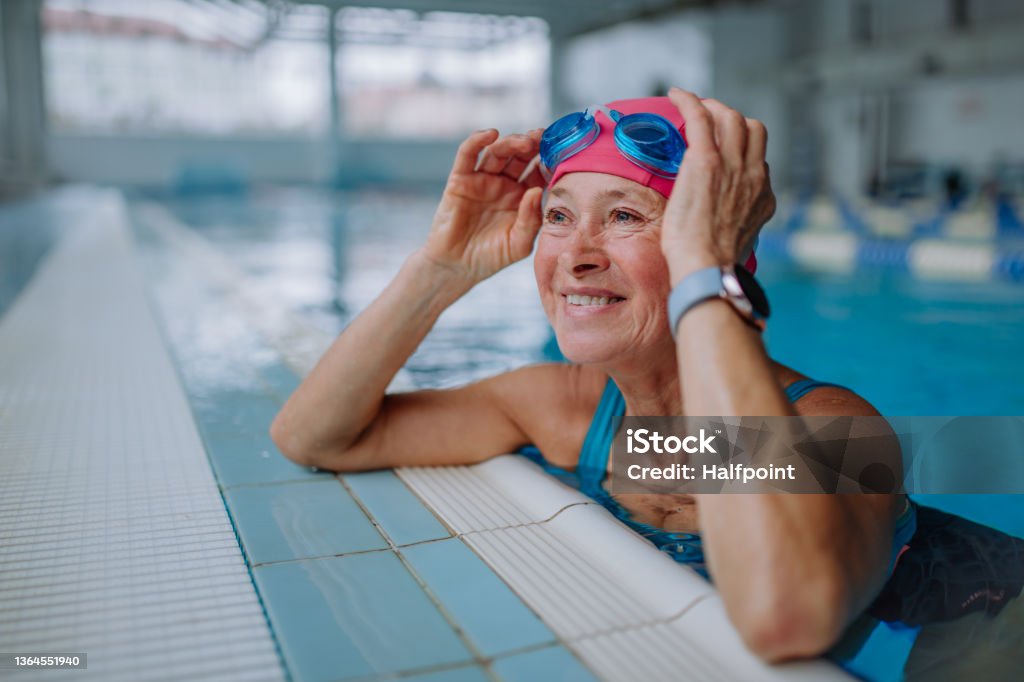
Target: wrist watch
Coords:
[(734, 283)]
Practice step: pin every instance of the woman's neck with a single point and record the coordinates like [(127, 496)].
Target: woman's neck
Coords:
[(649, 390)]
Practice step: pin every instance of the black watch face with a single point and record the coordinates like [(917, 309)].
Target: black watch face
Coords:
[(755, 294)]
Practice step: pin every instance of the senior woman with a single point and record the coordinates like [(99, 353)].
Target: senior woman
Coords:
[(613, 237)]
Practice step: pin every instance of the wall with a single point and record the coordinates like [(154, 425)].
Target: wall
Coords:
[(746, 42), (713, 53), (160, 161), (827, 135), (639, 59), (967, 116), (22, 162), (972, 123)]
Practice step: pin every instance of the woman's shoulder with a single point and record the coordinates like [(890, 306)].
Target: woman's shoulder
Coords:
[(828, 400), (553, 404), (555, 384)]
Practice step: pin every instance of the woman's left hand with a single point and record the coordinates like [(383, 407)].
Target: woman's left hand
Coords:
[(722, 195)]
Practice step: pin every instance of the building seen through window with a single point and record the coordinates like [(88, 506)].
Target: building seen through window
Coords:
[(250, 68)]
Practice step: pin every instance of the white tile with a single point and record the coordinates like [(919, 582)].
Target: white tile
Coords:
[(701, 645), (707, 626), (463, 499), (584, 573), (539, 495), (502, 492), (662, 587), (653, 653)]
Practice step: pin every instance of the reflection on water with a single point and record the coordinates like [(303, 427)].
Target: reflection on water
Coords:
[(330, 254), (910, 347)]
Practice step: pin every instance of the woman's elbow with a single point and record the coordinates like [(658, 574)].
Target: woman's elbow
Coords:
[(797, 622), (300, 450), (289, 445)]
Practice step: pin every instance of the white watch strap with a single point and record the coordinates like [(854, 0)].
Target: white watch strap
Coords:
[(696, 287)]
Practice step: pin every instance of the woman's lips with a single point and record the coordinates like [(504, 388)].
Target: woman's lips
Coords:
[(584, 300), (583, 304)]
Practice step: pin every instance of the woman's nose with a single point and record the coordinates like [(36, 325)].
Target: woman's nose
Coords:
[(584, 254)]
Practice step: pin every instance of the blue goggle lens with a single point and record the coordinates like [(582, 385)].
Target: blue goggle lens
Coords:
[(652, 142), (648, 140), (567, 136)]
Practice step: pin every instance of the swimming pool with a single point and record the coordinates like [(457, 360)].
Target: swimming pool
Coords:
[(911, 347)]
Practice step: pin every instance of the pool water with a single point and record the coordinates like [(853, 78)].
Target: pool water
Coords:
[(910, 347)]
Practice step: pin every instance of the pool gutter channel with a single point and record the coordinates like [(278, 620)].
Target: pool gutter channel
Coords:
[(104, 382)]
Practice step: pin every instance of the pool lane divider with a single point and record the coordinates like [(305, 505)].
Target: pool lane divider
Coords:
[(837, 251), (357, 577)]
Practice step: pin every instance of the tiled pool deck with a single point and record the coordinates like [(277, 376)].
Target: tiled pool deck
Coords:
[(148, 520)]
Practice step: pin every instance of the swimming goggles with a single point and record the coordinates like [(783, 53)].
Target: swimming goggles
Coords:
[(647, 140)]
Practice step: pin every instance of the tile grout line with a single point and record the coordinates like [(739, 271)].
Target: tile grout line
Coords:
[(567, 643), (441, 667), (478, 657)]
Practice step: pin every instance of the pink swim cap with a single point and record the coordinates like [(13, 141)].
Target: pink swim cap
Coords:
[(602, 156)]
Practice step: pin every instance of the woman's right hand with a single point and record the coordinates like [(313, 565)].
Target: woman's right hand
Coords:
[(487, 219)]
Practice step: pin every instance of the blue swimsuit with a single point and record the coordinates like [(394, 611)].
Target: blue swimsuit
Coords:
[(683, 547)]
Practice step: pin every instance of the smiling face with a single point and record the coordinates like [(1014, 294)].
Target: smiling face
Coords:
[(600, 271)]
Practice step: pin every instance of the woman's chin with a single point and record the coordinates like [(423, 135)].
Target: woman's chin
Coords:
[(583, 351)]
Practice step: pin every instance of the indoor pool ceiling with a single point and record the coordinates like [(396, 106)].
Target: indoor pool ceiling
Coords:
[(565, 17)]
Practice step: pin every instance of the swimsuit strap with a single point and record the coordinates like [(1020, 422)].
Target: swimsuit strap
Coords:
[(593, 462), (801, 387)]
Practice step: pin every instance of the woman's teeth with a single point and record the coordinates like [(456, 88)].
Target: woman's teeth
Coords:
[(575, 299)]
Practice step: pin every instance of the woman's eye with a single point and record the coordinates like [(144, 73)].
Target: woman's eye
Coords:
[(624, 217), (556, 217)]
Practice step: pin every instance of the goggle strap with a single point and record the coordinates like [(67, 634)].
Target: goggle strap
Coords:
[(480, 158), (485, 154), (745, 256), (534, 164), (610, 114)]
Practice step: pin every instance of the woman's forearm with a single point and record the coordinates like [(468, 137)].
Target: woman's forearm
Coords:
[(723, 367), (343, 394), (485, 222), (792, 569)]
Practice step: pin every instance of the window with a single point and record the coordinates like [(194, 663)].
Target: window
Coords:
[(440, 74), (172, 66), (248, 67)]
